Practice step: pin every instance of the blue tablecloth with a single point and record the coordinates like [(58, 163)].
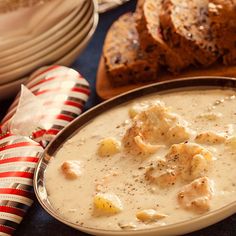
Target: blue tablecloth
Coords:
[(37, 222)]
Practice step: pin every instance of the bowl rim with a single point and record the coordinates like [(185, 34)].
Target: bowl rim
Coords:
[(198, 222)]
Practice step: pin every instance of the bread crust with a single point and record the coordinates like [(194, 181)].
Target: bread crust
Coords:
[(125, 62), (151, 39), (187, 31), (222, 14)]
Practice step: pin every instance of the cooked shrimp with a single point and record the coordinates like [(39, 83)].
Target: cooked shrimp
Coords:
[(146, 147), (177, 134), (190, 160), (129, 140), (196, 196), (71, 169), (161, 174), (211, 116), (210, 137), (231, 142), (184, 161), (149, 215)]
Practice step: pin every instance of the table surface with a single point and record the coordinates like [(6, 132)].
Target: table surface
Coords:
[(37, 222)]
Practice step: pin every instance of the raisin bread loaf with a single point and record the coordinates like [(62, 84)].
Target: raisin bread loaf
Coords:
[(222, 14), (186, 28), (138, 11), (124, 61), (151, 40)]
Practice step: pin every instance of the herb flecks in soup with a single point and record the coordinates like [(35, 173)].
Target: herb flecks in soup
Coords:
[(158, 160)]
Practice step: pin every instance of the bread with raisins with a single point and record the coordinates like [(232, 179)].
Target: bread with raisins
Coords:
[(151, 39), (125, 62), (186, 29), (222, 14)]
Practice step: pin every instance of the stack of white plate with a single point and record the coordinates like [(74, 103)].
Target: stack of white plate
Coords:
[(54, 32), (105, 5)]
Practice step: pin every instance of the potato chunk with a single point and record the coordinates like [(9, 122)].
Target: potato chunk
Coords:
[(149, 215), (108, 147), (199, 165), (71, 169), (190, 160), (107, 203), (127, 225)]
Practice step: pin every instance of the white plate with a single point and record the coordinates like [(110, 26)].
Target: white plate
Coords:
[(105, 5), (36, 21), (48, 56), (19, 23), (29, 44), (10, 89), (50, 41), (71, 56)]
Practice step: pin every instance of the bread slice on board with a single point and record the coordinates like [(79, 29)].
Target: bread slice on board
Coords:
[(151, 39), (125, 63), (139, 7), (222, 14), (186, 28)]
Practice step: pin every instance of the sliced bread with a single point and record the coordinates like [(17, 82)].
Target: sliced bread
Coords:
[(187, 30), (151, 40), (139, 7), (222, 14), (124, 61)]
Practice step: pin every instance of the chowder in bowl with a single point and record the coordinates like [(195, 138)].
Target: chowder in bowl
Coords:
[(159, 159)]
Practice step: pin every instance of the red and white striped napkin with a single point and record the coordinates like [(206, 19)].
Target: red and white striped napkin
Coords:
[(18, 158), (53, 97), (63, 93)]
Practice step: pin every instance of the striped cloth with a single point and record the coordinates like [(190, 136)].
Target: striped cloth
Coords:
[(63, 93)]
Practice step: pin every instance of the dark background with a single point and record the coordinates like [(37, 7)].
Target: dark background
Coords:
[(37, 222)]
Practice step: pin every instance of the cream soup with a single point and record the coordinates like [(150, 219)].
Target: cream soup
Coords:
[(158, 160)]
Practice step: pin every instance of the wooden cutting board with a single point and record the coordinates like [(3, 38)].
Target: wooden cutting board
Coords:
[(105, 90)]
